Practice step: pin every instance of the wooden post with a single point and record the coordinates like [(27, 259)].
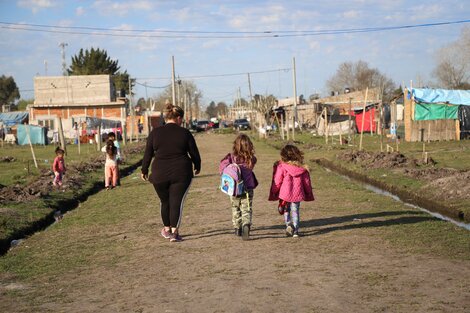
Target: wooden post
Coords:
[(124, 133), (31, 145), (363, 118), (293, 128), (429, 131), (62, 137), (326, 125), (98, 141), (349, 119), (78, 136), (381, 143), (282, 127), (287, 126), (457, 130)]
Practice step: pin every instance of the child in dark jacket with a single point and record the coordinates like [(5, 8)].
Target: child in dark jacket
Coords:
[(290, 185), (243, 154)]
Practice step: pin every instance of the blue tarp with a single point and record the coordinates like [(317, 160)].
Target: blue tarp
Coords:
[(13, 118), (36, 133), (456, 97)]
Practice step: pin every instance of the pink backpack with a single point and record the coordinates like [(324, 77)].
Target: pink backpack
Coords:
[(231, 181)]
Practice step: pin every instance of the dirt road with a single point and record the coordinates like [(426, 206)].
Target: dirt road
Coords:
[(360, 252)]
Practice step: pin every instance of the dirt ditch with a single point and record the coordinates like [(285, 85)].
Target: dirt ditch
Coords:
[(447, 185)]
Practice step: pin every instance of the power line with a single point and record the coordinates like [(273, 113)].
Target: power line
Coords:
[(155, 87), (218, 75), (209, 34)]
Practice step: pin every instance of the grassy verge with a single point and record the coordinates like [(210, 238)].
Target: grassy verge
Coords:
[(20, 219), (445, 154)]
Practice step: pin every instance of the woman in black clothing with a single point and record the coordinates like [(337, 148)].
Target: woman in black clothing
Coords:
[(175, 152)]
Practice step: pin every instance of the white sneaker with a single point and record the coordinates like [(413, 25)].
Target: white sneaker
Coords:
[(289, 230)]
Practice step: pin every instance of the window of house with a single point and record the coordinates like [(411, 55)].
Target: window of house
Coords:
[(46, 123)]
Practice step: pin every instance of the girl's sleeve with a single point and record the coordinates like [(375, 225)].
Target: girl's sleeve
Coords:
[(278, 176), (54, 165), (307, 186)]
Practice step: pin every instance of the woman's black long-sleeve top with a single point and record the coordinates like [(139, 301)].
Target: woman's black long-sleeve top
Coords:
[(175, 152)]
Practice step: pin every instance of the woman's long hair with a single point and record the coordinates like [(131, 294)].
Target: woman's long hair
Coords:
[(243, 150), (172, 112)]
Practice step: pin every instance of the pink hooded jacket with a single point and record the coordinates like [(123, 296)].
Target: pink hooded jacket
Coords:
[(290, 183)]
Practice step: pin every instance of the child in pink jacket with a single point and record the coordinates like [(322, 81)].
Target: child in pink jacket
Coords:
[(58, 167), (291, 185)]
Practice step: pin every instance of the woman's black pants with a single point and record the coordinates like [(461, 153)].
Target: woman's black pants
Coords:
[(172, 194)]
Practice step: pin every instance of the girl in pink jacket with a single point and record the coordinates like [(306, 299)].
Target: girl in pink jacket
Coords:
[(58, 167), (291, 185)]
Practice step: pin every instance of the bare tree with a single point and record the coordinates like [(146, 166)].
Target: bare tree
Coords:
[(264, 104), (358, 76), (453, 63), (193, 96)]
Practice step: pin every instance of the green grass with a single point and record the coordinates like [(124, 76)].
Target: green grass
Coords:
[(23, 169), (446, 154), (16, 217)]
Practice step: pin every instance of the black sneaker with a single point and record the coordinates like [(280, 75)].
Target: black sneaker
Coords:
[(246, 232), (238, 232)]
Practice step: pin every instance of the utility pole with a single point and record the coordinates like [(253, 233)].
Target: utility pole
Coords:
[(178, 97), (251, 102), (185, 102), (173, 87), (295, 92), (64, 65), (45, 67), (131, 112), (64, 69), (190, 108), (239, 100)]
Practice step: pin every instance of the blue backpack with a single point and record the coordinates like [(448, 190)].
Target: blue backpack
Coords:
[(231, 181)]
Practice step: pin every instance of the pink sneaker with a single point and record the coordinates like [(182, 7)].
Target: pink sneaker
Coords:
[(165, 234)]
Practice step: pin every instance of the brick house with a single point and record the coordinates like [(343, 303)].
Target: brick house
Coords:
[(74, 99)]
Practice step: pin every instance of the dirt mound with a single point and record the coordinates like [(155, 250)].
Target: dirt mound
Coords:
[(446, 183), (455, 186), (378, 159), (430, 173), (73, 179)]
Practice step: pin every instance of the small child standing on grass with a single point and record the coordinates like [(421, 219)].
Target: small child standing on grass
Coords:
[(290, 185), (110, 166), (58, 167), (243, 154), (112, 137)]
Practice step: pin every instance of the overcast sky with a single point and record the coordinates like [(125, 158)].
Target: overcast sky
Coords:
[(199, 49)]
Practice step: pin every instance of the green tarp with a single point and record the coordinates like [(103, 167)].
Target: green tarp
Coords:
[(431, 111)]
